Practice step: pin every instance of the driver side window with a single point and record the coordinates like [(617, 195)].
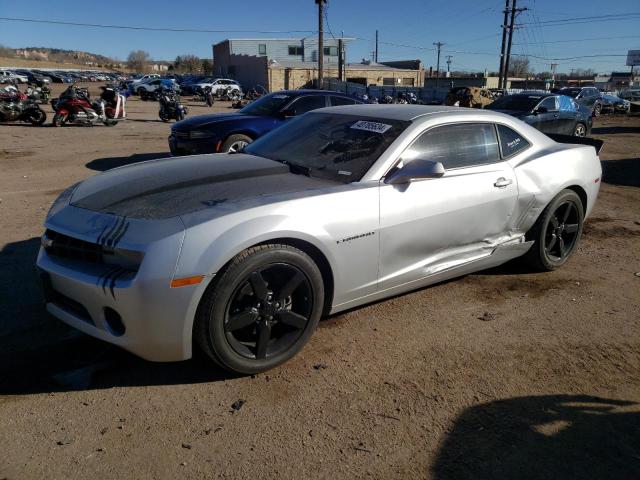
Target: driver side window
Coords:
[(550, 104), (457, 146)]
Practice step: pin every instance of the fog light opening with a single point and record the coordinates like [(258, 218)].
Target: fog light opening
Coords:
[(114, 321)]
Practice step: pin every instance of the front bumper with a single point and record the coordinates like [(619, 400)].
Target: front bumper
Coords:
[(157, 320), (187, 146)]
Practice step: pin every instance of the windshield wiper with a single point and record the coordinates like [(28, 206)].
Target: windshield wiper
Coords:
[(296, 168)]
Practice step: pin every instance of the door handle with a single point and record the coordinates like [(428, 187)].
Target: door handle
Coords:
[(502, 182)]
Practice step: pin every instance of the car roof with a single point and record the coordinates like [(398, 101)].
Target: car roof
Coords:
[(310, 91), (398, 111)]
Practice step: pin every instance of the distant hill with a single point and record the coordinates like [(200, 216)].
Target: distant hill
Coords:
[(57, 55)]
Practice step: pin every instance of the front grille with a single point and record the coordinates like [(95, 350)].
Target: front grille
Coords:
[(63, 246)]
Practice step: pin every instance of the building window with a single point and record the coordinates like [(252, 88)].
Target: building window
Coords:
[(295, 50), (388, 81), (407, 82), (331, 51), (262, 49)]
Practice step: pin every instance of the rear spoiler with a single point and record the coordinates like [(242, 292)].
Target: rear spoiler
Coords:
[(597, 144)]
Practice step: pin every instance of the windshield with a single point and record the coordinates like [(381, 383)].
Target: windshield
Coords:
[(515, 102), (267, 105), (325, 145), (572, 92)]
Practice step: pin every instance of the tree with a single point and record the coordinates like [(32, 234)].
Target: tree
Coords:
[(138, 60), (6, 52), (519, 67), (207, 66), (187, 64)]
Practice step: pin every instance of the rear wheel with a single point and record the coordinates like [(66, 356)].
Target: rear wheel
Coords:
[(556, 232), (235, 143), (580, 130), (37, 117), (261, 310)]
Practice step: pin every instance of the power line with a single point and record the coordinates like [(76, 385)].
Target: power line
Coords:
[(589, 39), (617, 16), (152, 29)]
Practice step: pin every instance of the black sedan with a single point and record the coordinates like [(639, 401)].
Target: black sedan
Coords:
[(548, 113), (224, 132)]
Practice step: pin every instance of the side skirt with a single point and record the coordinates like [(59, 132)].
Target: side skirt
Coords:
[(501, 254)]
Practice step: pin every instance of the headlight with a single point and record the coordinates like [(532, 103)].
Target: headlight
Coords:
[(201, 134), (62, 201)]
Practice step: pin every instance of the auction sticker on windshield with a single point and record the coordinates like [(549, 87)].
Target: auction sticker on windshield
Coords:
[(371, 126)]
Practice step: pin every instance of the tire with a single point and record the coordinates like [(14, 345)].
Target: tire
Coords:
[(163, 116), (235, 143), (556, 232), (597, 110), (261, 309), (140, 91), (59, 119), (580, 130), (143, 95), (37, 117), (110, 122)]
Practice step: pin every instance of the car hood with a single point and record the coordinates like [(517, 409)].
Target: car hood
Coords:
[(204, 120), (165, 188)]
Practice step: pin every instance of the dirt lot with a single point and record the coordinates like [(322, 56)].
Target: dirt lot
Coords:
[(502, 374)]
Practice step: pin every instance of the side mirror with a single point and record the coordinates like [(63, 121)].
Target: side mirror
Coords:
[(416, 170), (287, 113), (540, 110)]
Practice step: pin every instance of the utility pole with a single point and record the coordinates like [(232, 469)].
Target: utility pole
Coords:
[(375, 58), (439, 45), (554, 66), (341, 74), (449, 57), (320, 41), (514, 10), (504, 43)]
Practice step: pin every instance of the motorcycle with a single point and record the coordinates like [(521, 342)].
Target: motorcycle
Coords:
[(170, 106), (15, 106), (205, 94), (39, 92), (76, 107), (386, 99), (230, 94)]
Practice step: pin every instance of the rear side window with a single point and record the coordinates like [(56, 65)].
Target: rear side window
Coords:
[(306, 104), (457, 146), (335, 101), (511, 141), (549, 103)]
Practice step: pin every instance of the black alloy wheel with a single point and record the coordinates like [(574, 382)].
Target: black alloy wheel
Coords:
[(556, 232), (261, 309), (268, 311), (561, 233)]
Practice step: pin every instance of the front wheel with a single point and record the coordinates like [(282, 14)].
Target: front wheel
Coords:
[(597, 110), (235, 143), (261, 310), (556, 232), (163, 115), (59, 119)]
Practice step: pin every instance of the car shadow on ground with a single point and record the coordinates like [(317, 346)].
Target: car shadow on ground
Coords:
[(107, 163), (542, 437), (614, 130), (40, 354), (625, 172)]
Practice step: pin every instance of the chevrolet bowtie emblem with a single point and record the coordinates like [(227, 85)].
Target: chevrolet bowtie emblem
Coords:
[(46, 241)]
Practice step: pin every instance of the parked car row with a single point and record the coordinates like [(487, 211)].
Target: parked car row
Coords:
[(24, 75)]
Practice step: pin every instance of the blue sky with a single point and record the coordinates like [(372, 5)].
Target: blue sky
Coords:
[(469, 28)]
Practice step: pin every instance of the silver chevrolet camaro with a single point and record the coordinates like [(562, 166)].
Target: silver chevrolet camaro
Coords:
[(241, 254)]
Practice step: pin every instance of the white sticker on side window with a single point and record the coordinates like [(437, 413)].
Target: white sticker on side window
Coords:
[(371, 126)]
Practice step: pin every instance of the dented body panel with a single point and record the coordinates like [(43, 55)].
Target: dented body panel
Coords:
[(189, 216)]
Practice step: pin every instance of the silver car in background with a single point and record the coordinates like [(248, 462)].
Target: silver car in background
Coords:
[(241, 254)]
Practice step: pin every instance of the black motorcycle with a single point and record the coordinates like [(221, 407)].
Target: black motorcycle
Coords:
[(15, 106), (171, 107), (205, 94)]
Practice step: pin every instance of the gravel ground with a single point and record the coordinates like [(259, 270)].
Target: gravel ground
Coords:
[(501, 374)]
